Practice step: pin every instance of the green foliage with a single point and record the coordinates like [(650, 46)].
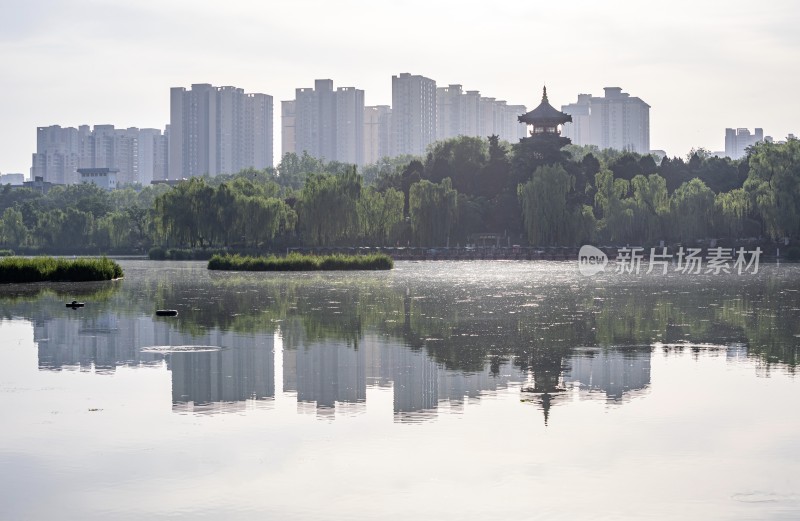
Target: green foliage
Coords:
[(328, 208), (433, 210), (380, 216), (299, 262), (774, 187), (49, 269), (544, 206), (691, 211), (462, 187)]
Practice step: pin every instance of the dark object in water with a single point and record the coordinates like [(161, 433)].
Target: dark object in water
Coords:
[(166, 312), (75, 304)]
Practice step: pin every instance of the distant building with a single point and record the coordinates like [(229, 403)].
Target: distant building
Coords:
[(12, 179), (327, 124), (138, 154), (450, 112), (470, 114), (377, 132), (287, 128), (39, 185), (413, 114), (546, 122), (350, 125), (105, 178), (617, 120), (738, 140), (218, 130)]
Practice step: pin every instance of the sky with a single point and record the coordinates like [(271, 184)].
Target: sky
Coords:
[(702, 65)]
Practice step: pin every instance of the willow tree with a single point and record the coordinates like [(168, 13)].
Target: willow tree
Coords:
[(327, 212), (730, 211), (433, 209), (12, 228), (379, 215), (774, 186), (691, 211), (260, 219), (544, 206), (616, 209), (651, 206)]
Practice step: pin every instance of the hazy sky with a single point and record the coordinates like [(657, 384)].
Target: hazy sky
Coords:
[(702, 65)]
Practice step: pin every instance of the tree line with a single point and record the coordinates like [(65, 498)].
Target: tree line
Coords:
[(533, 192)]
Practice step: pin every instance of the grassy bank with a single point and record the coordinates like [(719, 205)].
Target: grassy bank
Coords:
[(298, 262), (49, 269)]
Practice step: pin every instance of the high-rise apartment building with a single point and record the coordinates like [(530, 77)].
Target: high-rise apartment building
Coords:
[(138, 154), (738, 140), (413, 114), (326, 123), (470, 114), (216, 130), (450, 112), (350, 125), (287, 128), (377, 133), (617, 120)]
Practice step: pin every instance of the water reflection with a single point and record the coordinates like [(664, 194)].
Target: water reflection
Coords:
[(618, 374), (435, 337)]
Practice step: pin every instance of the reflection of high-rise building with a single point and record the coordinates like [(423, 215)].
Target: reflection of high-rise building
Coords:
[(325, 373), (612, 372), (242, 370)]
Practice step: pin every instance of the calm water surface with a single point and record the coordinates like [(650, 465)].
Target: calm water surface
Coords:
[(441, 390)]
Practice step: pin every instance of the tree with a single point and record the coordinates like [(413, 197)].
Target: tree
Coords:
[(433, 210), (651, 206), (774, 186), (548, 218), (13, 231), (327, 212), (691, 211), (380, 215)]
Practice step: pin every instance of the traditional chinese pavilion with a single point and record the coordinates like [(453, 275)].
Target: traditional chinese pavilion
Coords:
[(545, 120)]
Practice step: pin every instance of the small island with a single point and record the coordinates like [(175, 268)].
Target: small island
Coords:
[(299, 262), (50, 269)]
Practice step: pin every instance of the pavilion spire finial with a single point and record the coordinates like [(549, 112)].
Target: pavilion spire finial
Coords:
[(544, 93)]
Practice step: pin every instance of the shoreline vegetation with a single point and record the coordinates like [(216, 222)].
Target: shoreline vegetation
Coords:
[(300, 262), (50, 269)]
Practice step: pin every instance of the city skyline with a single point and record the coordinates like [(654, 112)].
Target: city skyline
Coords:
[(698, 77)]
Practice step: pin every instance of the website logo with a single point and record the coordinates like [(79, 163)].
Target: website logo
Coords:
[(591, 260)]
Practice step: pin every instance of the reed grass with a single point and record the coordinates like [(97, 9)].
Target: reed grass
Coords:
[(299, 262), (49, 269)]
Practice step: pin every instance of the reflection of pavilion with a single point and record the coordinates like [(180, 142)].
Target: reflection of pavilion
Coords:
[(327, 376), (615, 372)]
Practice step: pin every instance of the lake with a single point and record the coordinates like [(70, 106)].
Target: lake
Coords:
[(439, 390)]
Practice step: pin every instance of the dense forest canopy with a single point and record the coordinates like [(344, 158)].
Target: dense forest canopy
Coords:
[(531, 193)]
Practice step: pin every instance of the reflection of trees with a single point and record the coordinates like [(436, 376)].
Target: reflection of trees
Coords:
[(49, 299), (464, 326)]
